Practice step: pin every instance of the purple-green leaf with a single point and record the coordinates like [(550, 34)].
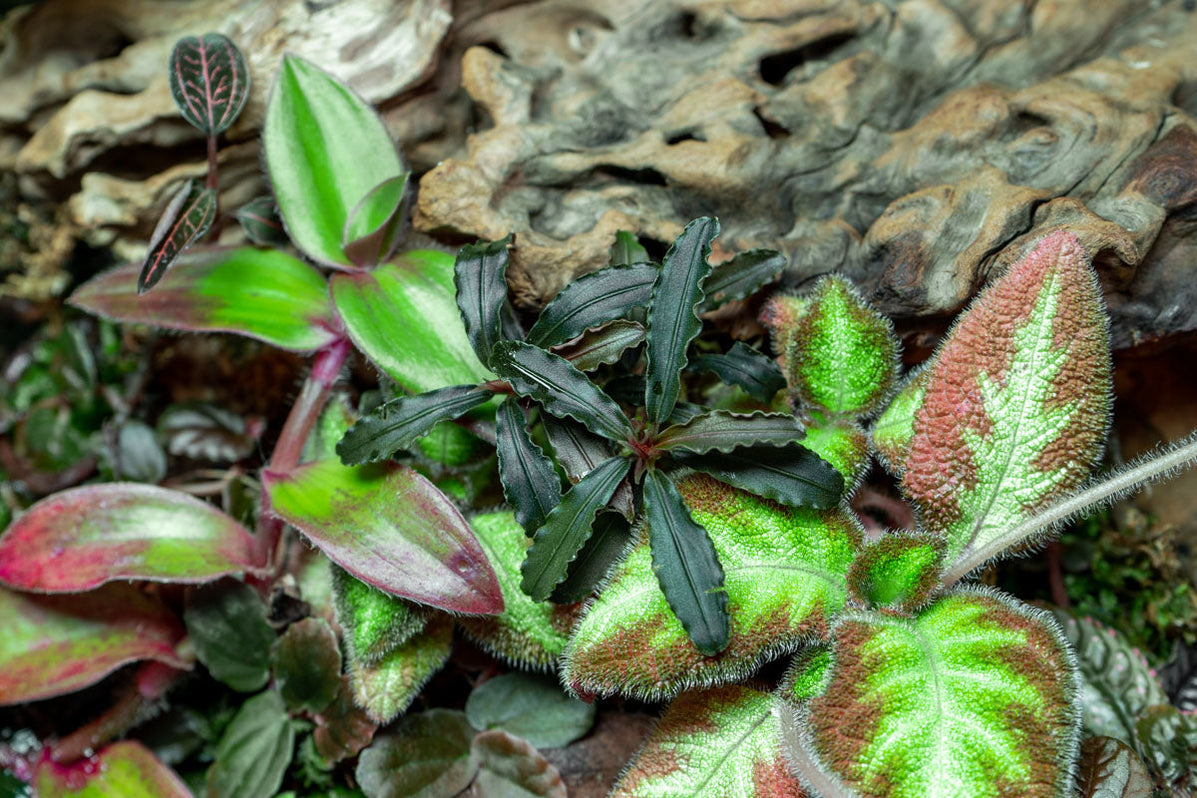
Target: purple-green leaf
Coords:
[(791, 474), (185, 221), (342, 728), (723, 431), (126, 769), (427, 754), (372, 229), (751, 370), (209, 81), (510, 766), (397, 424), (591, 300), (260, 220), (530, 483), (480, 276), (389, 527), (601, 345), (83, 537)]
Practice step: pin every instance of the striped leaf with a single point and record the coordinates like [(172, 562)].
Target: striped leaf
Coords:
[(209, 81), (185, 221)]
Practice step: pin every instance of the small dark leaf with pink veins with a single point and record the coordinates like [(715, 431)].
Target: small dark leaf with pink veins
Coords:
[(209, 81), (185, 221)]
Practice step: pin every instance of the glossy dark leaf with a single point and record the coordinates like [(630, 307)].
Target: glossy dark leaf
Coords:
[(559, 388), (686, 565), (307, 665), (398, 423), (185, 221), (742, 276), (567, 528), (601, 345), (609, 541), (792, 474), (262, 225), (530, 482), (531, 706), (575, 448), (1110, 768), (750, 369), (227, 624), (209, 81), (723, 431), (672, 321), (373, 226), (255, 750), (627, 250), (591, 300), (480, 275)]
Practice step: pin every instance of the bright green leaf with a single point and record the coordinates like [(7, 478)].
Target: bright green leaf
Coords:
[(372, 229), (893, 430), (627, 250), (898, 569), (126, 769), (529, 706), (841, 443), (373, 623), (386, 688)]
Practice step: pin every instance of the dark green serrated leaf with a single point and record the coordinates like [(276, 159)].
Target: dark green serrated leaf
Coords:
[(609, 540), (480, 275), (741, 277), (567, 528), (262, 225), (792, 474), (723, 431), (601, 345), (559, 388), (1109, 768), (529, 480), (307, 665), (531, 706), (255, 750), (209, 81), (627, 250), (686, 565), (750, 369), (591, 300), (227, 624), (575, 448), (672, 321), (186, 219), (398, 423)]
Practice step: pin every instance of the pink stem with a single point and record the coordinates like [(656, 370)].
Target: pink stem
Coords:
[(132, 705), (213, 166)]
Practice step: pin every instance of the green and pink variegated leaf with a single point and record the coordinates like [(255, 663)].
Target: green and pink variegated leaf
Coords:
[(209, 81), (386, 688), (785, 575), (719, 743), (899, 570), (127, 769), (894, 428), (1017, 404), (264, 294), (185, 221), (390, 527), (780, 316), (53, 645), (81, 538), (972, 698)]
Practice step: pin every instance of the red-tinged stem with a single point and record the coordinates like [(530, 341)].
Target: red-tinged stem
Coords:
[(213, 167), (131, 707)]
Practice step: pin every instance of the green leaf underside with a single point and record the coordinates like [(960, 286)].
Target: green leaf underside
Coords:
[(80, 538), (559, 388), (529, 634), (610, 538), (672, 321), (53, 645), (601, 345), (841, 443), (427, 754), (723, 431), (785, 576), (790, 474), (591, 300), (209, 81), (894, 428), (126, 768), (227, 625), (972, 698), (748, 368), (386, 688), (510, 766), (627, 250), (529, 706), (686, 566), (186, 219), (530, 483), (897, 570), (307, 665), (325, 149), (254, 752), (1109, 768), (741, 277), (718, 743), (374, 623), (397, 424), (567, 528), (372, 229), (480, 275), (260, 220), (1017, 403), (403, 317), (389, 526), (262, 294)]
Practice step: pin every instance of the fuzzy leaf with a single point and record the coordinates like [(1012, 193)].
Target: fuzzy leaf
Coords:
[(427, 755), (227, 624), (509, 767), (262, 294), (672, 320), (207, 432), (686, 566), (807, 675), (841, 443), (530, 482), (559, 388), (209, 81), (325, 150), (255, 750), (373, 623), (372, 230), (781, 315), (83, 537), (609, 540), (261, 223), (601, 345), (741, 277), (53, 645), (1016, 407), (723, 431), (719, 743), (897, 570), (127, 769), (389, 527), (1110, 768), (531, 707), (893, 430), (567, 528), (385, 689), (591, 300), (307, 665), (790, 474), (480, 274), (785, 576), (186, 219), (399, 423), (745, 367), (404, 318), (627, 250), (343, 728), (528, 634), (971, 697)]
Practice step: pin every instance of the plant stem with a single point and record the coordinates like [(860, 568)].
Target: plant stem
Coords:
[(132, 705), (802, 760), (213, 166)]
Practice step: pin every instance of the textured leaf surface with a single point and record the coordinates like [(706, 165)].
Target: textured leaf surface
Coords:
[(389, 527), (403, 317), (1109, 768), (372, 229), (127, 769), (841, 443), (742, 276), (185, 221), (973, 698), (785, 575), (509, 767), (898, 570), (307, 665), (790, 474), (601, 345), (531, 707), (591, 300), (386, 688), (428, 754), (672, 320), (722, 431), (253, 754), (325, 149), (209, 81), (748, 368), (343, 728), (480, 275), (530, 482), (611, 536), (807, 675), (373, 623), (83, 537), (397, 424), (781, 315), (893, 430), (264, 294), (1017, 403), (53, 645), (227, 624), (719, 743)]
